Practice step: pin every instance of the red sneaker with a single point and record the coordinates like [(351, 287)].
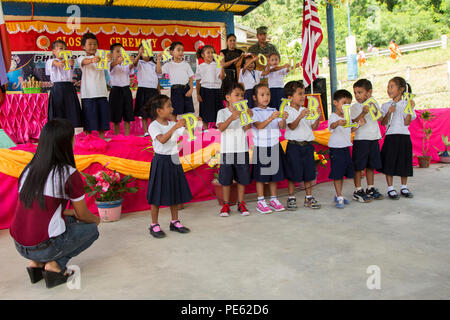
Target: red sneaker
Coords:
[(242, 208), (225, 211)]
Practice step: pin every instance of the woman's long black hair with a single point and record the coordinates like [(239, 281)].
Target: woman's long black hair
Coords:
[(54, 151)]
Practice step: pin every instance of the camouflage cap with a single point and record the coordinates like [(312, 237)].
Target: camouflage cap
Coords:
[(261, 30)]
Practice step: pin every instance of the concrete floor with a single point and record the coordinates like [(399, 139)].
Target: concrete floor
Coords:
[(305, 254)]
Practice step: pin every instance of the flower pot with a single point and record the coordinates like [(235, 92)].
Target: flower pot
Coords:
[(109, 211), (444, 159), (218, 191), (424, 161)]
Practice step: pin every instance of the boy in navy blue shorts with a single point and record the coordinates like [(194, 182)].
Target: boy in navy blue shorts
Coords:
[(340, 143), (366, 149)]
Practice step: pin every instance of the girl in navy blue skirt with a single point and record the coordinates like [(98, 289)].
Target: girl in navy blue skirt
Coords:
[(167, 185), (208, 86), (63, 101), (396, 153), (268, 156)]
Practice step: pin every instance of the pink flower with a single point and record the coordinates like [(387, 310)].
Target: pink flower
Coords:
[(105, 186), (117, 176)]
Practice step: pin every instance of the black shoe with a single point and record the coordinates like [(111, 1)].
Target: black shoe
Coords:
[(35, 274), (374, 194), (361, 196), (393, 195), (53, 279), (406, 193), (157, 234), (181, 229)]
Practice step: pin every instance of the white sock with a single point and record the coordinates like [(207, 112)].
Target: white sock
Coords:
[(358, 188), (391, 188), (340, 198), (308, 197), (260, 199), (370, 187), (403, 186), (291, 197), (273, 198)]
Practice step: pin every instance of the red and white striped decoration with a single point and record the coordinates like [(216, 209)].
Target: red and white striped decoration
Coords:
[(311, 38)]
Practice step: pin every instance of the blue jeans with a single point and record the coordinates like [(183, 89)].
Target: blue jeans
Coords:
[(78, 237)]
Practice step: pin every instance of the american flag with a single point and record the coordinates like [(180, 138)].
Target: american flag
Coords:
[(311, 38)]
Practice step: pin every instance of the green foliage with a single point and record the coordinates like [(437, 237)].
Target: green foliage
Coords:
[(372, 21)]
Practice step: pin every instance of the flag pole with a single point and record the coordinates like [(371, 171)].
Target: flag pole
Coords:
[(310, 55)]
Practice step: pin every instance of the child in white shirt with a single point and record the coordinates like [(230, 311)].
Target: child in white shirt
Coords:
[(396, 153), (340, 143), (275, 79), (94, 93), (250, 78), (300, 164), (63, 100)]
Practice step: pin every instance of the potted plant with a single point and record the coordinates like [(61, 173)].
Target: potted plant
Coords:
[(444, 156), (425, 159), (108, 188), (214, 163)]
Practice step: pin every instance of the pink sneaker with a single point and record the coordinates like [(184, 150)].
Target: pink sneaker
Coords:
[(262, 207), (276, 205)]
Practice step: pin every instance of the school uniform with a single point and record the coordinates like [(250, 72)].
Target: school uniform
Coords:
[(366, 149), (300, 165), (268, 161), (120, 97), (179, 75), (234, 158), (63, 100), (167, 184), (147, 85), (210, 84), (396, 153), (340, 143), (94, 93), (250, 79), (275, 81)]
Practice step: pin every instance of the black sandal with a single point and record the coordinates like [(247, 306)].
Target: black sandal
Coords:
[(53, 279), (393, 195), (159, 234), (406, 193), (35, 274), (173, 227)]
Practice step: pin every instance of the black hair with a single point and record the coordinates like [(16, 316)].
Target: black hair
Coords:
[(155, 103), (174, 44), (230, 86), (245, 60), (88, 36), (58, 41), (257, 87), (231, 35), (292, 86), (401, 83), (275, 54), (114, 45), (54, 151), (363, 83), (202, 49), (340, 94), (142, 58)]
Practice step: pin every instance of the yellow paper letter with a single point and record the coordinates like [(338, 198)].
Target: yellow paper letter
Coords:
[(147, 44), (373, 110), (65, 54), (264, 59), (243, 108), (126, 58), (346, 108), (191, 124), (103, 63), (218, 58), (313, 104), (284, 102), (408, 108)]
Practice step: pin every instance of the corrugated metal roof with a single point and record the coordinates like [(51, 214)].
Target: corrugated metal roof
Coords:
[(239, 7)]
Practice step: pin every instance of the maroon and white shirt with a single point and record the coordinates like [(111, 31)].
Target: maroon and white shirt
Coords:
[(35, 225)]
